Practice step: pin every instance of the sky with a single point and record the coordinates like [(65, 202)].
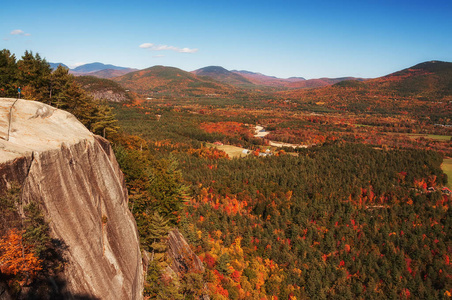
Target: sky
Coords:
[(285, 38)]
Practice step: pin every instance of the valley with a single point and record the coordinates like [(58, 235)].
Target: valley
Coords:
[(226, 150), (297, 224), (340, 193)]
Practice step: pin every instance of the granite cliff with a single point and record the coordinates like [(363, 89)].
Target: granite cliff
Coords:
[(74, 178), (183, 259)]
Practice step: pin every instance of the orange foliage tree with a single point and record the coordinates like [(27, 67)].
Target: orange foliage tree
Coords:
[(17, 258)]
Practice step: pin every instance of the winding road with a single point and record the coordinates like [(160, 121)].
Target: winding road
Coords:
[(261, 133)]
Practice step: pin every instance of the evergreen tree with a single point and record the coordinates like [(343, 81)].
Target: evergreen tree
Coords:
[(34, 77), (160, 286), (156, 237), (165, 185), (59, 84), (37, 81), (8, 74), (104, 121)]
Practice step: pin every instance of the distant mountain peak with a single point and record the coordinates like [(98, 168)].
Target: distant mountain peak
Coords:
[(109, 73), (222, 75), (432, 65), (213, 69), (90, 68), (96, 66), (160, 81), (54, 66)]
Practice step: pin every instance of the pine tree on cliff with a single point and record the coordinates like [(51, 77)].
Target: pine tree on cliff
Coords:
[(68, 95), (34, 76), (60, 84), (157, 237), (104, 122), (159, 285), (59, 89), (9, 215), (8, 74), (166, 186)]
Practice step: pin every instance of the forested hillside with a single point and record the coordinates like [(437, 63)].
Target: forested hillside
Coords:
[(340, 219), (423, 90), (354, 205), (103, 89), (161, 81), (222, 75)]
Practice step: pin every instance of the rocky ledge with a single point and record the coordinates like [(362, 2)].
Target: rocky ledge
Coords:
[(75, 179)]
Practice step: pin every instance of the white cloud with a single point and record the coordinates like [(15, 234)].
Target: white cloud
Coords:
[(163, 47), (146, 45), (187, 50), (158, 56), (19, 32), (154, 47)]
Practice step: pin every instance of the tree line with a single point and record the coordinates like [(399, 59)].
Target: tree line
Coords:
[(37, 81)]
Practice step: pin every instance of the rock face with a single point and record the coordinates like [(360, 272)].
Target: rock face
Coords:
[(183, 258), (74, 177), (4, 295), (109, 95)]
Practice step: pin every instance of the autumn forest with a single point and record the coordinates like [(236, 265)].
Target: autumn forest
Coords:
[(334, 192)]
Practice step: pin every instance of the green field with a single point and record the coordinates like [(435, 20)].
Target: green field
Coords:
[(232, 151), (430, 136), (427, 136), (416, 135), (447, 168)]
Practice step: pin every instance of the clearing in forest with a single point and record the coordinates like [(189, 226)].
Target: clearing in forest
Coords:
[(232, 151), (447, 168)]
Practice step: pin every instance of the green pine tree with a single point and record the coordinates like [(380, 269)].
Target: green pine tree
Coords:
[(8, 74), (104, 121), (157, 236), (34, 77)]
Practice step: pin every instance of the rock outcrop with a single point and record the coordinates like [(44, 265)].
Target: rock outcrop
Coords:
[(4, 294), (109, 95), (74, 177), (183, 259)]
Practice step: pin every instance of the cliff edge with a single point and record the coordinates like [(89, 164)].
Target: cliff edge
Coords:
[(75, 179)]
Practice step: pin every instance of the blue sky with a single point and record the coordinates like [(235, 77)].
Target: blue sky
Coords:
[(312, 39)]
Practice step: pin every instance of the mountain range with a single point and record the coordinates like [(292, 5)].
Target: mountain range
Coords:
[(292, 82), (212, 80), (170, 81), (96, 69), (247, 79), (429, 81), (422, 88), (241, 79)]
